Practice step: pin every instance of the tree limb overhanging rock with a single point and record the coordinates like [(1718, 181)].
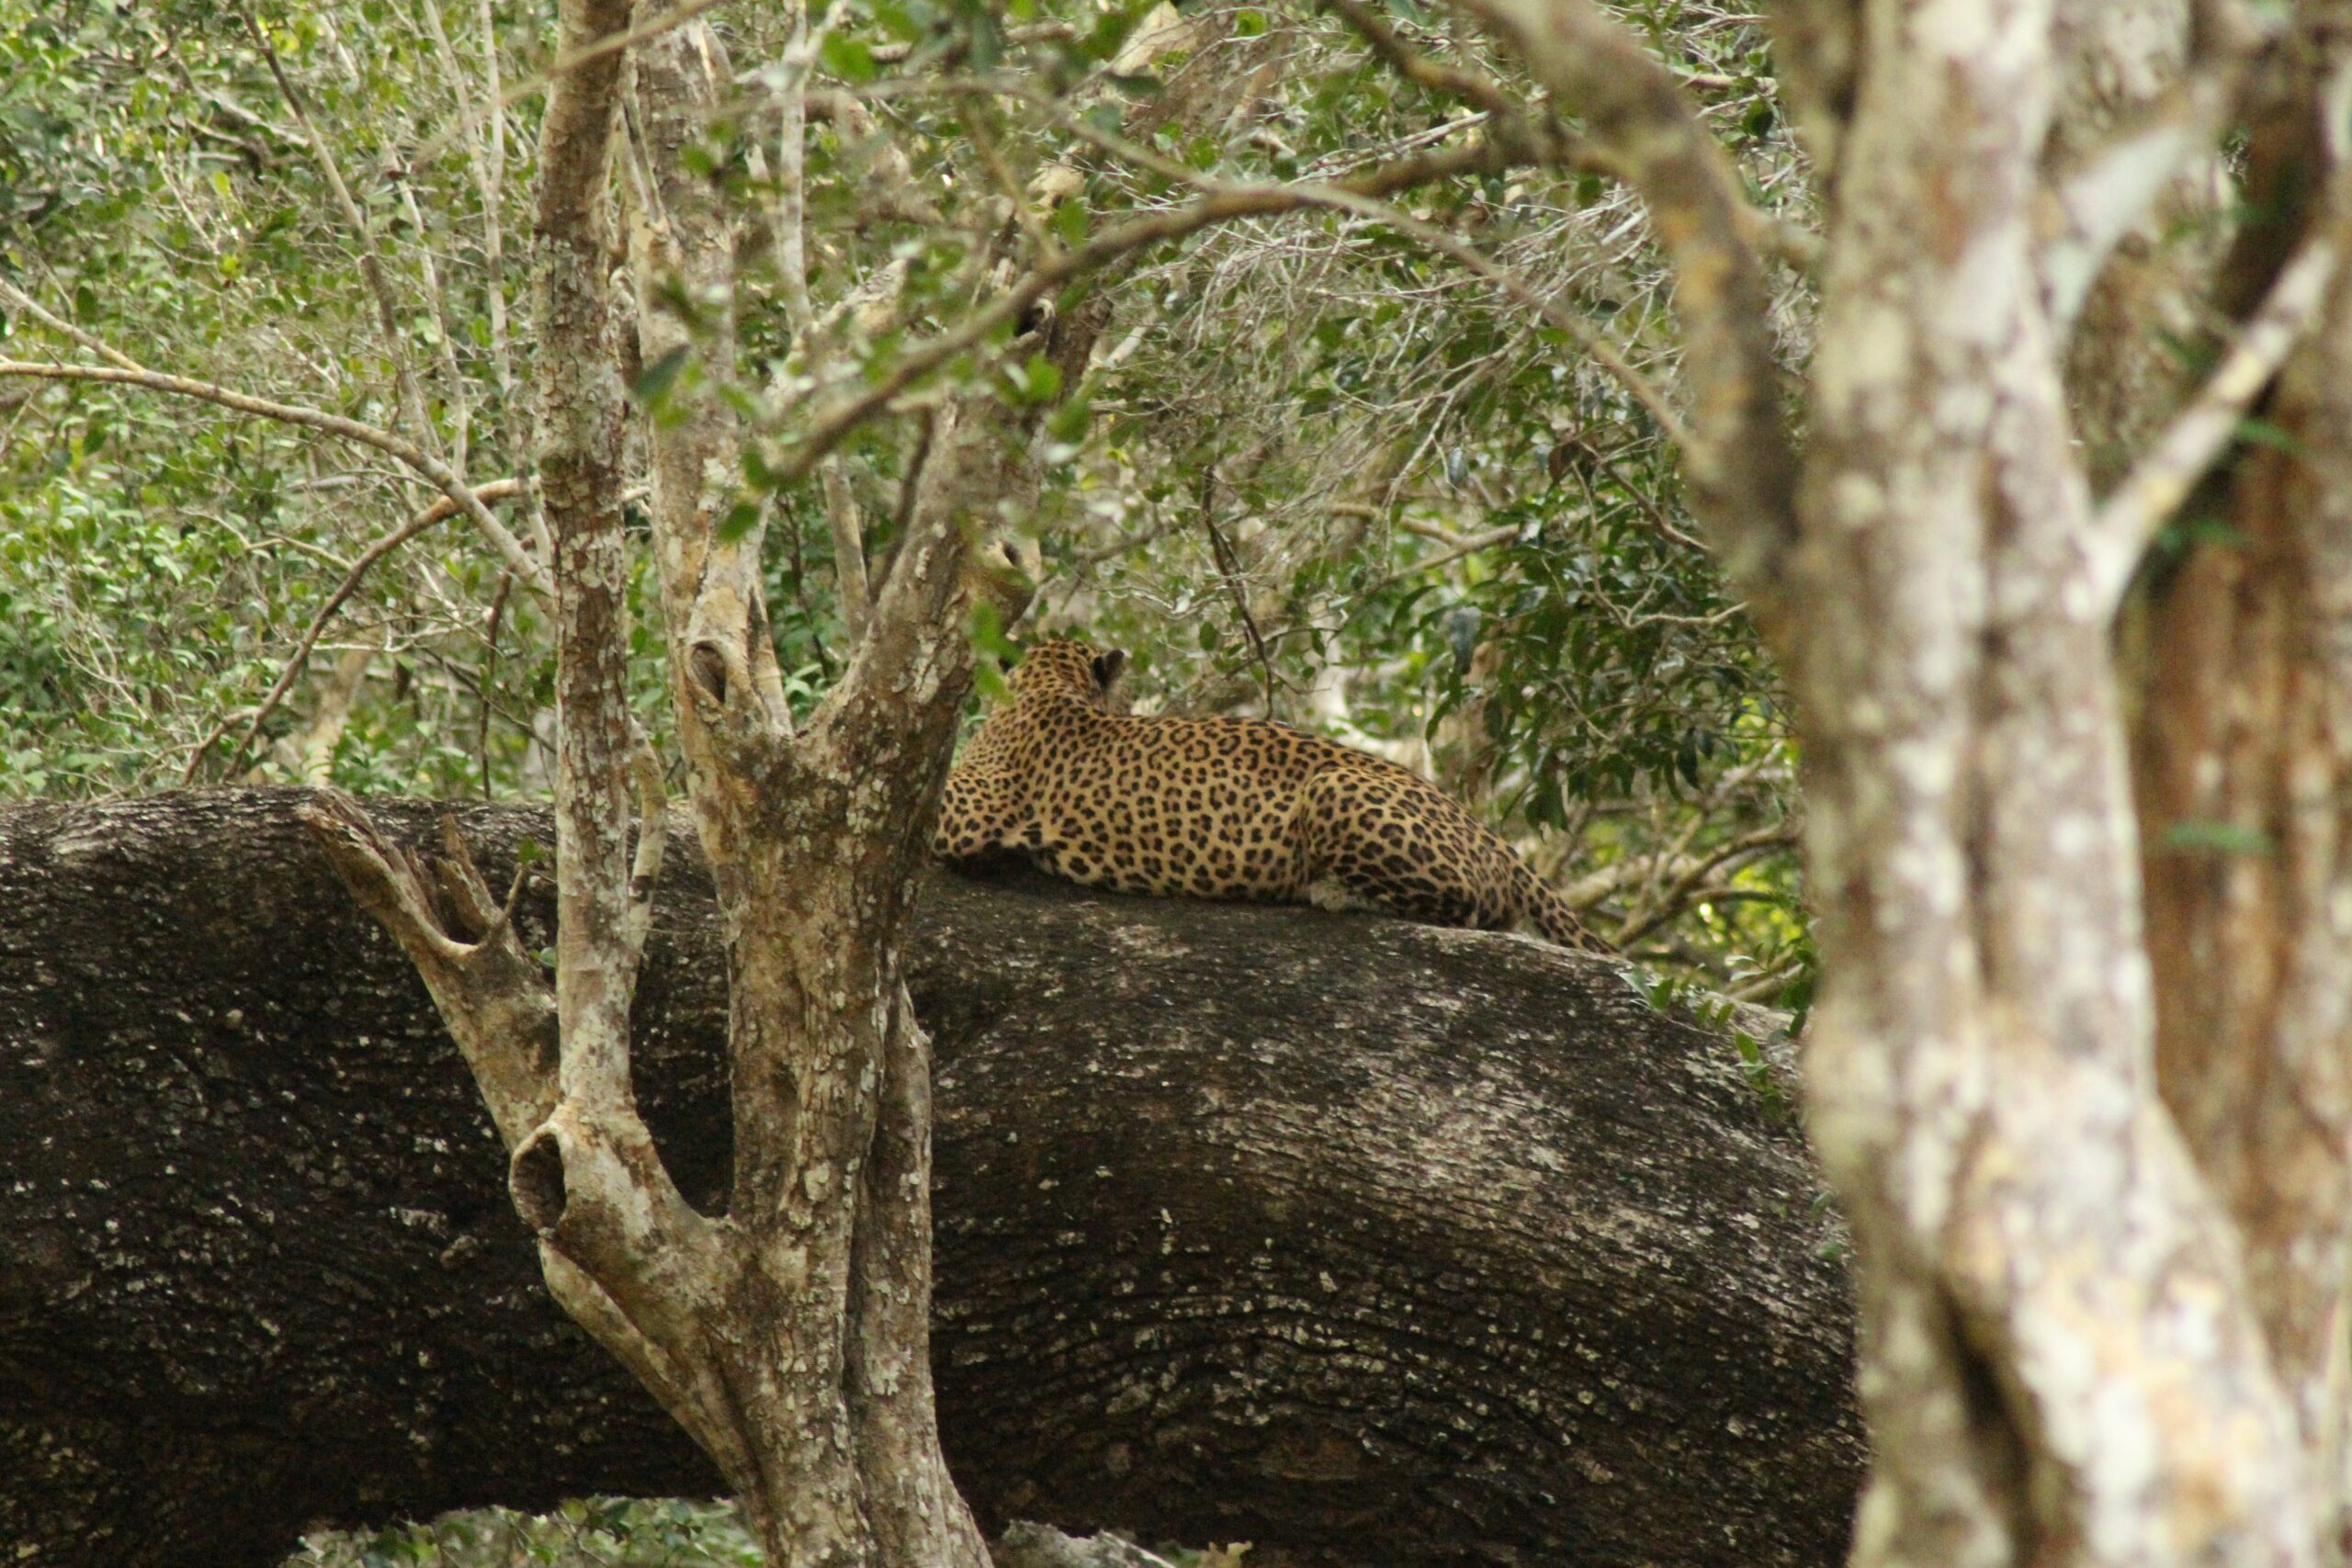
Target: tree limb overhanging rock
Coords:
[(1357, 1239)]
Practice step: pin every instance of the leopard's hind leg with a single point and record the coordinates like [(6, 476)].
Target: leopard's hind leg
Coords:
[(1391, 841)]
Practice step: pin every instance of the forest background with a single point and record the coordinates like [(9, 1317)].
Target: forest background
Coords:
[(1391, 425), (1320, 470)]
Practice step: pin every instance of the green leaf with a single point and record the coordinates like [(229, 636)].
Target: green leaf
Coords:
[(1040, 381), (896, 19), (848, 58), (653, 382), (1069, 422), (993, 652), (2176, 537), (2255, 432), (740, 520), (2217, 837)]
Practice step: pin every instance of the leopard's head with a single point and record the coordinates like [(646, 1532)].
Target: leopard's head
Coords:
[(1061, 667)]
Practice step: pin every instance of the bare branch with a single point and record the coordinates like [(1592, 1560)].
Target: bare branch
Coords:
[(482, 675), (509, 548), (438, 513), (313, 752), (485, 160), (1229, 568), (492, 994), (580, 460), (652, 831), (847, 413), (849, 546), (1742, 465), (2093, 204), (453, 376), (1685, 880), (2162, 479), (789, 220), (26, 304), (371, 266)]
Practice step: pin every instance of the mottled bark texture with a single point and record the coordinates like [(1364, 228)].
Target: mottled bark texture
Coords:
[(787, 1332), (2123, 65), (2065, 1356), (1360, 1240)]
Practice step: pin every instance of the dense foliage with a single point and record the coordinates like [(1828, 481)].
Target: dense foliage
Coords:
[(1323, 470)]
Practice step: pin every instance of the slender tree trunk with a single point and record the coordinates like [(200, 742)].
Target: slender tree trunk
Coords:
[(789, 1334), (2065, 1356)]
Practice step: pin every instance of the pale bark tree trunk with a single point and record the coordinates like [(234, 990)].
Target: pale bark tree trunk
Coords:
[(2077, 1341), (789, 1335)]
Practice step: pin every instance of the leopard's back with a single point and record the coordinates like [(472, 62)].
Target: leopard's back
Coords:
[(1223, 808)]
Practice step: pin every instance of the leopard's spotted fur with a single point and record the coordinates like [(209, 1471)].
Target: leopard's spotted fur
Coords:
[(1223, 808)]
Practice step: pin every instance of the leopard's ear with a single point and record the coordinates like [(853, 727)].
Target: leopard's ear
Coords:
[(1107, 667), (1015, 653)]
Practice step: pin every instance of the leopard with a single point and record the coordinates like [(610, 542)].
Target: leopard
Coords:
[(1060, 774)]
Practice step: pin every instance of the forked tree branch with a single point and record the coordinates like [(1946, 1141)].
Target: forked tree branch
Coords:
[(2092, 203), (501, 1009), (495, 995)]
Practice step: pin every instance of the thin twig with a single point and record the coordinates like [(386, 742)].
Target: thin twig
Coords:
[(483, 676), (789, 220), (1469, 257), (2179, 456), (371, 266), (1469, 547), (851, 411), (1230, 569), (31, 306), (645, 869), (1470, 86), (509, 548), (438, 513)]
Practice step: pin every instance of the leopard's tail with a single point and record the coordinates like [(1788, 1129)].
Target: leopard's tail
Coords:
[(1549, 913)]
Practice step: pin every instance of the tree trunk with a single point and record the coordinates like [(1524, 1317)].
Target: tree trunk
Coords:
[(1352, 1238), (2060, 1359), (2242, 670)]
